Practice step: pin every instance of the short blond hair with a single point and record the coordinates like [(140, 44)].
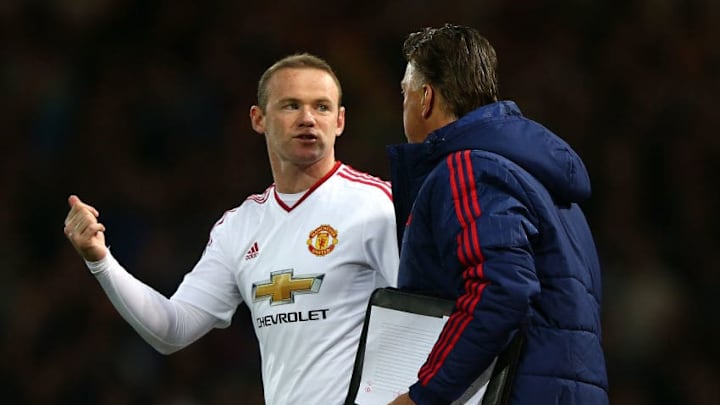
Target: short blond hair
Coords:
[(296, 61)]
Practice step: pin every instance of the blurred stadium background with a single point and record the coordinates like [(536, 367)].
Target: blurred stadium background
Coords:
[(141, 109)]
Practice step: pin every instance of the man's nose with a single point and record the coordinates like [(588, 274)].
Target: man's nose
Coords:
[(307, 116)]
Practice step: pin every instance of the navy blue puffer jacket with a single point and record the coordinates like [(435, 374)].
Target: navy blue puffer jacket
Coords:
[(488, 216)]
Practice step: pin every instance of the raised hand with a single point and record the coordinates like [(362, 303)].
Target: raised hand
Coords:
[(84, 231)]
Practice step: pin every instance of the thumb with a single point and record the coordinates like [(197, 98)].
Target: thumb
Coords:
[(72, 200)]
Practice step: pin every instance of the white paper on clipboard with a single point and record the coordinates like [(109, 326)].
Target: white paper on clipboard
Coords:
[(397, 345)]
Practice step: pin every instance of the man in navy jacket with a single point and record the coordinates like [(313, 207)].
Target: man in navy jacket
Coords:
[(487, 210)]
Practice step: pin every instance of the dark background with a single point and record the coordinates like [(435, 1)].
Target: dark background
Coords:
[(141, 108)]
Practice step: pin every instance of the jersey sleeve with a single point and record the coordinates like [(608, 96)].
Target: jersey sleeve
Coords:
[(211, 286), (486, 228), (166, 325), (380, 239)]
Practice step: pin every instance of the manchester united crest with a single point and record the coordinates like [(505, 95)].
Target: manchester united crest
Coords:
[(322, 240)]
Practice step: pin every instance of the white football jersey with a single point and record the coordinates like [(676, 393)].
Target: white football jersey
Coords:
[(306, 272)]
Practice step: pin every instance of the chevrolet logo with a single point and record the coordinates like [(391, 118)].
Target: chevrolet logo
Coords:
[(282, 287)]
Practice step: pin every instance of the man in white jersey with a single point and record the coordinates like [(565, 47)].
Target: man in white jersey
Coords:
[(304, 256)]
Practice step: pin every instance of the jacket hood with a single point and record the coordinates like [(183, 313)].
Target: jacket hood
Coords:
[(500, 128)]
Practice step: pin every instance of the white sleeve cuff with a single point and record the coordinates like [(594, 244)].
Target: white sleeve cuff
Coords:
[(102, 264)]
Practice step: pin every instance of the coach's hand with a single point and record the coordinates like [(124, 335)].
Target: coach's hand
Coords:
[(84, 231), (403, 399)]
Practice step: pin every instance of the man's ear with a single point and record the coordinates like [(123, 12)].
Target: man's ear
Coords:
[(257, 119), (340, 121), (428, 100)]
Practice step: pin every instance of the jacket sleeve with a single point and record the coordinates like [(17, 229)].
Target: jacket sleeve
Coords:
[(483, 231)]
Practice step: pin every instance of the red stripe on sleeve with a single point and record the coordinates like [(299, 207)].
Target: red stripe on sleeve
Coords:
[(473, 198), (467, 209), (460, 321), (473, 190), (455, 194), (463, 204), (461, 255)]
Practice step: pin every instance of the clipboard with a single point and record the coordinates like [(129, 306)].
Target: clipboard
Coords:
[(498, 388)]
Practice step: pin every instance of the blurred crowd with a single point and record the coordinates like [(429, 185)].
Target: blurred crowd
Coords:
[(141, 108)]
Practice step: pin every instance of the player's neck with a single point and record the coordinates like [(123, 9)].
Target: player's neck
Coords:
[(290, 178)]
